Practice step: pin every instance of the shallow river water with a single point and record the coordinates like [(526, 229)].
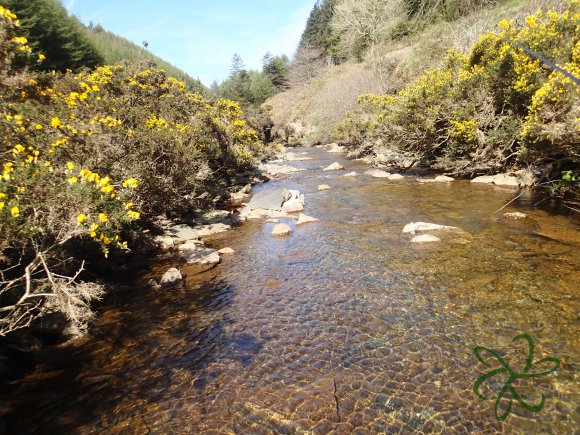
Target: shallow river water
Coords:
[(342, 327)]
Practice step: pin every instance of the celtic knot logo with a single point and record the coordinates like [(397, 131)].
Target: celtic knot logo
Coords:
[(513, 375)]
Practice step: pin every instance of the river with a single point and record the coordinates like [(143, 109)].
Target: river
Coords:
[(342, 327)]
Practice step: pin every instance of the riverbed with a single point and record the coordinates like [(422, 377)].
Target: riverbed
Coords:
[(344, 326)]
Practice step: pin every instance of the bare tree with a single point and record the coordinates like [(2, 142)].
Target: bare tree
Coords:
[(362, 23), (308, 62)]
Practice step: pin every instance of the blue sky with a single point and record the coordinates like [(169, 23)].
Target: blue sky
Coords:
[(201, 36)]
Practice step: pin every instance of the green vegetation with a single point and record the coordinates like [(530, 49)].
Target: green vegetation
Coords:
[(252, 88), (54, 34), (88, 158), (488, 109)]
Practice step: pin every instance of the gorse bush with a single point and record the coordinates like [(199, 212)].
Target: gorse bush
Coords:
[(85, 156), (490, 107)]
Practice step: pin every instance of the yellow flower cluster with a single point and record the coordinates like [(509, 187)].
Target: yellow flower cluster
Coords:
[(466, 131)]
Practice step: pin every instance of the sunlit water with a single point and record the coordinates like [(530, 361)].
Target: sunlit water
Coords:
[(342, 327)]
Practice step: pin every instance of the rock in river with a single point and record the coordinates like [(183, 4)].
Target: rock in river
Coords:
[(293, 201), (425, 238), (200, 255), (415, 227), (171, 276), (226, 251), (323, 187), (334, 167), (302, 219), (281, 230), (377, 173)]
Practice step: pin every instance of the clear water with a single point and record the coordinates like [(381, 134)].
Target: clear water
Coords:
[(342, 327)]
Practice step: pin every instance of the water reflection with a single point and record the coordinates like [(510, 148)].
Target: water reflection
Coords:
[(343, 326)]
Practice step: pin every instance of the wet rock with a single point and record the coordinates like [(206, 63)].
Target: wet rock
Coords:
[(292, 201), (200, 255), (335, 148), (323, 187), (152, 283), (425, 238), (515, 215), (350, 174), (377, 173), (226, 251), (394, 177), (281, 230), (190, 245), (182, 233), (302, 219), (334, 167), (291, 157), (415, 227), (267, 199), (171, 276), (484, 179)]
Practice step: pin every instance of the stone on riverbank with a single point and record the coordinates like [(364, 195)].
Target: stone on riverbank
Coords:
[(165, 242), (171, 276), (208, 230), (437, 179), (302, 219), (276, 170), (182, 233), (425, 238), (323, 187), (394, 177), (334, 167), (350, 174), (281, 230), (335, 148), (226, 251), (377, 173), (521, 178)]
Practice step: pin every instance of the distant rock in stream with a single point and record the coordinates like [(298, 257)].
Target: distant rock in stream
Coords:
[(415, 227), (302, 219), (323, 187), (335, 148), (350, 174), (197, 254), (292, 201), (521, 178), (377, 173), (273, 204), (226, 251), (281, 230), (334, 167), (425, 238), (437, 179)]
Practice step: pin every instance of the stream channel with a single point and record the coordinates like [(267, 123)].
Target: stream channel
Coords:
[(342, 327)]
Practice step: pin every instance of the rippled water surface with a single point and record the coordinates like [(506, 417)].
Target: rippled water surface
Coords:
[(342, 327)]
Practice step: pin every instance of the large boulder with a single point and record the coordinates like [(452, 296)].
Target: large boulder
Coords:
[(293, 201)]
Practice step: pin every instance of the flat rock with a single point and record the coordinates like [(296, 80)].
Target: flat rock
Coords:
[(437, 179), (226, 251), (520, 178), (274, 170), (323, 187), (350, 174), (200, 255), (302, 219), (484, 179), (190, 245), (394, 177), (377, 173), (415, 227), (182, 232), (208, 230), (171, 276), (291, 157), (334, 167), (281, 230), (267, 199), (425, 238)]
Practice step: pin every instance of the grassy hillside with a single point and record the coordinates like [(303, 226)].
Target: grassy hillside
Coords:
[(309, 112)]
